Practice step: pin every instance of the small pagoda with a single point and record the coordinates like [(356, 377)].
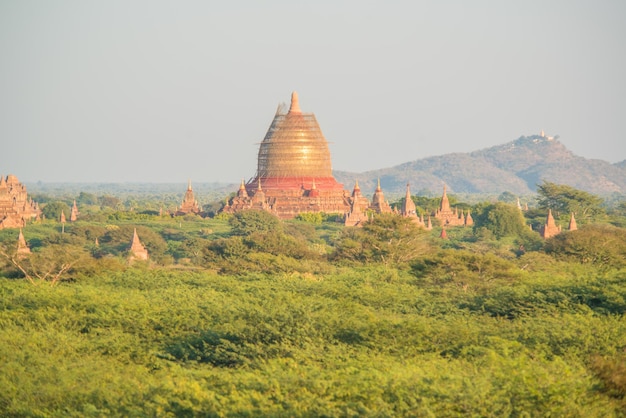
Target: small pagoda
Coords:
[(74, 212), (550, 228), (358, 206), (409, 210), (137, 251), (379, 204), (572, 223), (23, 250), (189, 203)]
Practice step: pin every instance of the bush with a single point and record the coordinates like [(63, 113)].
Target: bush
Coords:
[(501, 219), (249, 221), (601, 245)]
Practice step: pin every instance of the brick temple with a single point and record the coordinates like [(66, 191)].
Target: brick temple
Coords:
[(189, 203), (16, 208)]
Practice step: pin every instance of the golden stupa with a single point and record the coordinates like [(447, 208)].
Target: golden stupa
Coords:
[(294, 172), (294, 154)]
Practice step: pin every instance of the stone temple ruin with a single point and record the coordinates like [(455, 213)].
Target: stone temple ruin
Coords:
[(189, 203), (16, 208)]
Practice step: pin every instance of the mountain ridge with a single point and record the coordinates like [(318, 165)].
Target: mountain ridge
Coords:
[(517, 166)]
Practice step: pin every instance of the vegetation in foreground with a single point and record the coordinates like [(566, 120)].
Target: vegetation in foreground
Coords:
[(250, 316)]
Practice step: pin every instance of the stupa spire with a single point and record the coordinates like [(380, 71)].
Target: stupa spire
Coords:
[(242, 192), (74, 212), (295, 105), (408, 207), (356, 192), (22, 247), (550, 228), (572, 223), (445, 203), (137, 250)]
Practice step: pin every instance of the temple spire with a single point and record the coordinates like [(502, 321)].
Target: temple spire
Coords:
[(445, 203), (74, 212), (295, 105), (356, 192), (242, 190), (137, 250), (22, 248), (572, 223)]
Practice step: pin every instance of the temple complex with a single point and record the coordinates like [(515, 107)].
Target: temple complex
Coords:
[(189, 204), (294, 173), (16, 208), (550, 228), (448, 216), (137, 251)]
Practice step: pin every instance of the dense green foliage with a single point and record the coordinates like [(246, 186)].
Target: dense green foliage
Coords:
[(501, 219), (366, 341), (247, 315), (53, 210), (563, 200), (601, 245)]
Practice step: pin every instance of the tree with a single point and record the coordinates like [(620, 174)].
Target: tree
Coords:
[(501, 219), (601, 245), (388, 239), (507, 197), (53, 210), (49, 264), (564, 200), (117, 241), (311, 217), (85, 198), (110, 202), (249, 221)]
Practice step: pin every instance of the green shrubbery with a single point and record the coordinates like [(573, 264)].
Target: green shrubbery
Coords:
[(153, 342), (247, 315)]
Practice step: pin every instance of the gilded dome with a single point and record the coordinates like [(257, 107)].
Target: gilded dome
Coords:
[(294, 146)]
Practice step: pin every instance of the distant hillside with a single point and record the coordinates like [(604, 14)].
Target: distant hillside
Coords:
[(517, 167)]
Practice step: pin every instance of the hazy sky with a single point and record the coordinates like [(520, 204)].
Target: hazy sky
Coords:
[(165, 91)]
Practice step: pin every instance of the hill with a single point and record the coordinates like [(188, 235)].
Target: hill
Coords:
[(517, 166)]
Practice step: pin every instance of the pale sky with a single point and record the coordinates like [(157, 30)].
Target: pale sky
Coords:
[(165, 91)]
